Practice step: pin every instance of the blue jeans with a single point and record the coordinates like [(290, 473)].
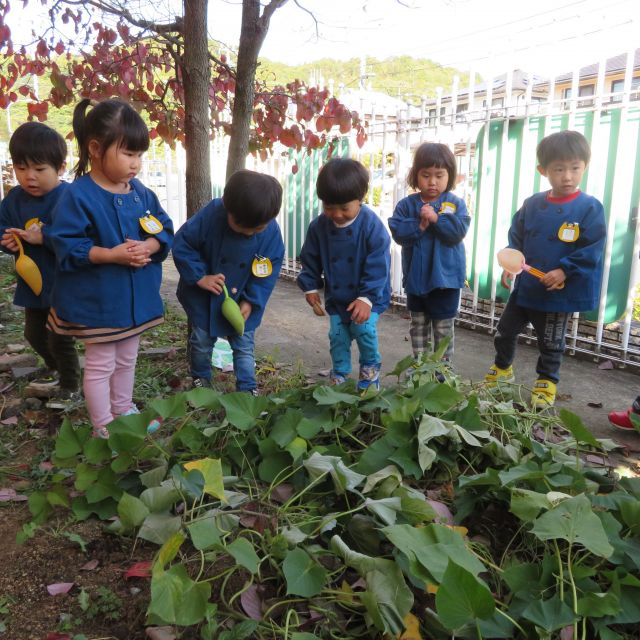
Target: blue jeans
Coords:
[(340, 336), (244, 362)]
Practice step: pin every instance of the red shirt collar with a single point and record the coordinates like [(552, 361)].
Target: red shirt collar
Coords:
[(564, 199)]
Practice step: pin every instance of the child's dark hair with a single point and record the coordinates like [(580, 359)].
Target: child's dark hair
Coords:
[(433, 154), (252, 198), (108, 122), (35, 143), (342, 180), (564, 146)]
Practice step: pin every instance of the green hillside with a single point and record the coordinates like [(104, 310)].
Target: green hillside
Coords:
[(401, 76)]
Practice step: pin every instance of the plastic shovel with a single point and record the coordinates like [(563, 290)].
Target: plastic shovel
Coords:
[(513, 261), (231, 311), (27, 269)]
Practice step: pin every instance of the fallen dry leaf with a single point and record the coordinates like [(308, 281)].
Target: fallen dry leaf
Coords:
[(90, 566), (59, 588), (139, 570), (160, 633)]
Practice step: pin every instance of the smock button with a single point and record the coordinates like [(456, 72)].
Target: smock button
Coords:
[(543, 205), (333, 232), (349, 232), (119, 201), (352, 286), (559, 210), (242, 265), (350, 259), (136, 199)]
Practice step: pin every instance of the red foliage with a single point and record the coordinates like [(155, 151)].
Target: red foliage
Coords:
[(119, 63)]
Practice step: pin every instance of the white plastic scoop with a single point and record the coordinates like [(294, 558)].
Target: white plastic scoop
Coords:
[(513, 261)]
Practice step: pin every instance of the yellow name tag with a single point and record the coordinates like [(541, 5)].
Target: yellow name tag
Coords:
[(447, 207), (261, 267), (569, 232), (150, 223), (32, 222)]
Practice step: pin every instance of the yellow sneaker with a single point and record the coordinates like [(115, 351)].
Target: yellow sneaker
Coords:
[(543, 394), (496, 374)]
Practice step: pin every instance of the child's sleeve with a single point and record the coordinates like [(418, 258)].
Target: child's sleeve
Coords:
[(451, 228), (516, 230), (5, 222), (404, 224), (71, 233), (189, 247), (377, 265), (310, 278), (258, 290), (589, 248)]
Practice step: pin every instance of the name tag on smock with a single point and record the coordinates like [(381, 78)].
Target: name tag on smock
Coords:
[(447, 207), (569, 232), (33, 222), (261, 267), (151, 224)]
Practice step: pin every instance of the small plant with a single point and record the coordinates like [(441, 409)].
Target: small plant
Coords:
[(104, 604), (5, 606)]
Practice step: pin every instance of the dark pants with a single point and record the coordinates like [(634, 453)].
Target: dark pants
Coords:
[(58, 352), (550, 328)]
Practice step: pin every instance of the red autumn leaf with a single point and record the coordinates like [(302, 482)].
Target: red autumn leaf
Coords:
[(252, 602), (139, 570), (59, 588)]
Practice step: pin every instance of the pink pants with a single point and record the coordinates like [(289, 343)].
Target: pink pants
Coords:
[(108, 379)]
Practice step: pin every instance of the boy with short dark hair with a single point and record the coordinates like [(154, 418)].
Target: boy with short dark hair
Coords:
[(39, 155), (561, 232), (233, 241), (346, 250)]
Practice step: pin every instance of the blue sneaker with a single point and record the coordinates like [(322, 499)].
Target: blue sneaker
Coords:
[(336, 378), (369, 377)]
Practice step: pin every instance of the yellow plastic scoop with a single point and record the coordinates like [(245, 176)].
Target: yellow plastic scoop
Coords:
[(513, 261), (27, 269), (231, 311)]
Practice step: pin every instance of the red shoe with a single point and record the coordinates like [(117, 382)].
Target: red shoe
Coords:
[(621, 420)]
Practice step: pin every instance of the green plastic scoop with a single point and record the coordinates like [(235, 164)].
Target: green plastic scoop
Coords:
[(231, 311)]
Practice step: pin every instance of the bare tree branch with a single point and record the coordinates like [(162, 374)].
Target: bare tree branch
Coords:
[(315, 20)]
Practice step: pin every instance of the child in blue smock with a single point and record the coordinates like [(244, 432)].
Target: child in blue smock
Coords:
[(110, 236), (233, 241), (346, 252), (430, 226), (38, 154), (561, 232)]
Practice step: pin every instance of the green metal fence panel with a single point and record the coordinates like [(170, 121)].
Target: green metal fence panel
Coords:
[(506, 174), (301, 203)]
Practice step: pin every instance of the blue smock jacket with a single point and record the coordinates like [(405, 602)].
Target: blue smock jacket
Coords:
[(355, 261), (106, 295), (567, 234), (433, 258), (206, 245), (18, 208)]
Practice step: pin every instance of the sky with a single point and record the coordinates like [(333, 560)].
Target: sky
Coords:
[(544, 37)]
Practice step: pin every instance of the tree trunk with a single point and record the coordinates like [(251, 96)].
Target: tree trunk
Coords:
[(252, 34), (196, 77)]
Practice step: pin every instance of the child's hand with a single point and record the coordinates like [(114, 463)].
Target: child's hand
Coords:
[(360, 311), (9, 241), (129, 253), (139, 252), (427, 216), (212, 283), (554, 279), (245, 309), (32, 235), (505, 279), (313, 300)]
